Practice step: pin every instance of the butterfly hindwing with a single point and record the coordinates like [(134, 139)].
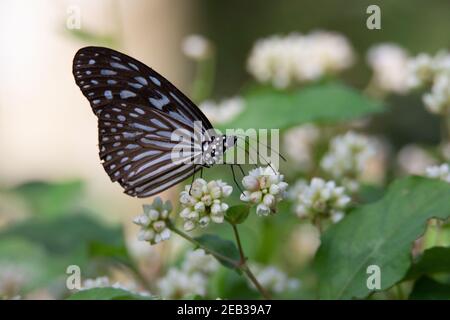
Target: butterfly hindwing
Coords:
[(137, 110)]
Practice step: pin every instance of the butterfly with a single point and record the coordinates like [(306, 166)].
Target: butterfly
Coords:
[(139, 112)]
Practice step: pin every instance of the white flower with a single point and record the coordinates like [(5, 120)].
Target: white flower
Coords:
[(389, 63), (105, 282), (348, 156), (199, 261), (273, 279), (196, 47), (153, 222), (423, 69), (413, 159), (420, 70), (223, 111), (177, 284), (299, 144), (298, 58), (264, 188), (203, 203), (438, 100), (441, 172), (191, 278), (321, 198), (99, 282)]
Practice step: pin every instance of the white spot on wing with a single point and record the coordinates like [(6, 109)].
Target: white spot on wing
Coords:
[(155, 81), (108, 94), (107, 72), (135, 85), (119, 66), (141, 80), (124, 94), (133, 66), (159, 103)]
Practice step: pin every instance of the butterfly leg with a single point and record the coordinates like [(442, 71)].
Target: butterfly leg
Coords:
[(242, 171), (234, 179)]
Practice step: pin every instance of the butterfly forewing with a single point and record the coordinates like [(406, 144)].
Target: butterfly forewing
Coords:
[(137, 110)]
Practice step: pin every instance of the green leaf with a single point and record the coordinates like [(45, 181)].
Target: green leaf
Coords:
[(433, 260), (227, 284), (50, 199), (64, 234), (30, 262), (221, 246), (107, 293), (237, 214), (428, 289), (272, 109), (379, 234)]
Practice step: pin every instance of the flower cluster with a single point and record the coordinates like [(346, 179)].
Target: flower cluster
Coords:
[(191, 278), (153, 222), (348, 157), (264, 188), (223, 111), (425, 70), (438, 100), (273, 279), (441, 172), (105, 282), (321, 199), (203, 202), (196, 47), (389, 63), (282, 61)]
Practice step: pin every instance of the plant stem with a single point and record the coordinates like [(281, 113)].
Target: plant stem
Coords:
[(400, 293), (238, 241), (208, 250), (244, 267), (240, 265)]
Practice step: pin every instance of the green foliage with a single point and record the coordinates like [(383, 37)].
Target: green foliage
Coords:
[(47, 247), (231, 285), (433, 260), (65, 234), (379, 234), (107, 293), (428, 289), (272, 109), (48, 199), (224, 247), (237, 214)]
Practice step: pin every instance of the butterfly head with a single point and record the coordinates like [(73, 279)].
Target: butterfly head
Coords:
[(214, 149)]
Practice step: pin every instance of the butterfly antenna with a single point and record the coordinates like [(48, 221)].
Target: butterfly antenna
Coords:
[(247, 153), (265, 145), (234, 179), (265, 160)]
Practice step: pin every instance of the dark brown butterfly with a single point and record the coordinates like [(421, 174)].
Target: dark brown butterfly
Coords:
[(138, 112)]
